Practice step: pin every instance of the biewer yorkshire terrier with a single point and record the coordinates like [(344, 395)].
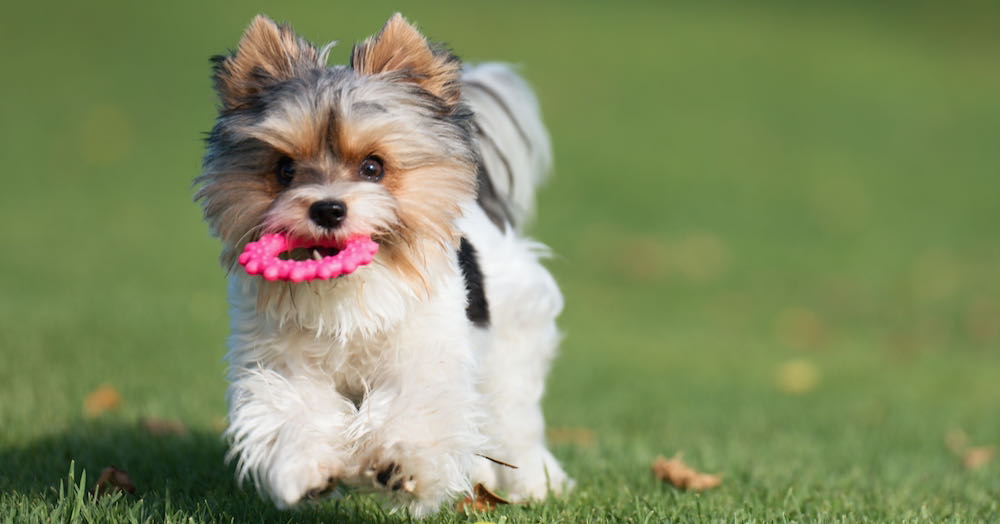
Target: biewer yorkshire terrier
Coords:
[(416, 368)]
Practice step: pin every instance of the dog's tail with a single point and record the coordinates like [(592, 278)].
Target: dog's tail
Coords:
[(514, 144)]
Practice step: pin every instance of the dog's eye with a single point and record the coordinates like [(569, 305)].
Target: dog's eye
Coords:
[(284, 171), (371, 169)]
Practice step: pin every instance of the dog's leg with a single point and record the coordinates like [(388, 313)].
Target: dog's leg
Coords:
[(419, 426), (515, 359), (514, 373), (288, 435)]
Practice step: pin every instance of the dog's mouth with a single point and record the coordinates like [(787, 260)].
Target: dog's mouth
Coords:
[(277, 257), (308, 253)]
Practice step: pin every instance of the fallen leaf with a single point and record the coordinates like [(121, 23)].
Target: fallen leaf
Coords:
[(975, 458), (580, 437), (681, 476), (482, 500), (113, 480), (104, 398), (160, 427)]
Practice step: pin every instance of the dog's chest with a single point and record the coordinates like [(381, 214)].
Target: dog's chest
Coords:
[(351, 366)]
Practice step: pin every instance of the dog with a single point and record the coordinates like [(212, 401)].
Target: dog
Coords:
[(420, 373)]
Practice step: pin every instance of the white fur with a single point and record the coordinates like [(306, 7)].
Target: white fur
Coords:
[(513, 141), (334, 381)]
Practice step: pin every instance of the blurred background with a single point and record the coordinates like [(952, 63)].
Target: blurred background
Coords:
[(775, 225)]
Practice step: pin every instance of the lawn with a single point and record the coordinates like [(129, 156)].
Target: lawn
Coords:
[(776, 229)]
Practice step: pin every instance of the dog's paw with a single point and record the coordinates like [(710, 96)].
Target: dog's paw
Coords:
[(538, 475), (294, 482), (391, 476), (320, 492), (419, 476), (398, 468)]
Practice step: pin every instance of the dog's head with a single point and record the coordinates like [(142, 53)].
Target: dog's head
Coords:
[(380, 148)]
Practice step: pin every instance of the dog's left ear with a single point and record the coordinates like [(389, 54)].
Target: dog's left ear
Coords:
[(267, 54), (400, 47)]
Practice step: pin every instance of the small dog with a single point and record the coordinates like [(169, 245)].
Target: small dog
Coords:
[(420, 373)]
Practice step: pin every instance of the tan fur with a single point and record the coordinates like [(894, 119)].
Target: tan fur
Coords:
[(233, 206), (428, 209), (427, 174), (389, 366), (400, 47), (265, 48)]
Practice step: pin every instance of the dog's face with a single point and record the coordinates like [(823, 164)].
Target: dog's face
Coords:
[(380, 148)]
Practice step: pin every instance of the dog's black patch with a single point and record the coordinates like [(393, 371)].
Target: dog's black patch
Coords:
[(477, 309), (386, 474)]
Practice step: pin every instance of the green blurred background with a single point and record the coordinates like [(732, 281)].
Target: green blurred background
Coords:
[(775, 226)]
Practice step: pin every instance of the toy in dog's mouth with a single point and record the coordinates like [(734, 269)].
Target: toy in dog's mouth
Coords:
[(277, 257)]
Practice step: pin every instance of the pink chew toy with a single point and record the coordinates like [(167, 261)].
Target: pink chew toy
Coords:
[(262, 258)]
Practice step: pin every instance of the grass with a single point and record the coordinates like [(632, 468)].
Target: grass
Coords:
[(737, 189)]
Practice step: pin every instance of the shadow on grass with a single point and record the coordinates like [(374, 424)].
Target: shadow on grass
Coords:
[(177, 476)]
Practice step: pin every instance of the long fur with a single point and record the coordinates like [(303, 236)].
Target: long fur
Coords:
[(378, 379)]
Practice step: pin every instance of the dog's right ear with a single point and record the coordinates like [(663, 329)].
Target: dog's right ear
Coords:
[(267, 54), (400, 47)]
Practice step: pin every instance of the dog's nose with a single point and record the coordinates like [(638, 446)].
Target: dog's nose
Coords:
[(328, 214)]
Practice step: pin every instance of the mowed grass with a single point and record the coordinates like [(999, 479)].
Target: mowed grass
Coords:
[(776, 229)]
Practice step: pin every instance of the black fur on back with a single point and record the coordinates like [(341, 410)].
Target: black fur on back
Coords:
[(477, 309)]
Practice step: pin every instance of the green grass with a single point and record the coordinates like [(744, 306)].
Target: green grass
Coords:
[(736, 188)]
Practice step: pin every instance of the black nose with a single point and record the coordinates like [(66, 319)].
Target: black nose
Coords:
[(328, 214)]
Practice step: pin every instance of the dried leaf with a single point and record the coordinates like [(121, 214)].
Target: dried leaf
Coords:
[(681, 476), (580, 437), (104, 398), (113, 480), (975, 458), (483, 500), (160, 427)]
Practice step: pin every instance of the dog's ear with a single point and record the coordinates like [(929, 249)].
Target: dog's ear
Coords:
[(399, 47), (267, 54)]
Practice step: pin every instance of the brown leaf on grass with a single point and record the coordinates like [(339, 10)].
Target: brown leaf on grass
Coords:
[(104, 398), (483, 500), (580, 437), (975, 458), (113, 480), (681, 476), (160, 427)]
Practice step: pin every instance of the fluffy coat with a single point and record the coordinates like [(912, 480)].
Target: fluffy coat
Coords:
[(381, 379)]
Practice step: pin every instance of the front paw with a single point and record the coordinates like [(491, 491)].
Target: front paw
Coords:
[(391, 476), (397, 468), (300, 479), (420, 477)]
